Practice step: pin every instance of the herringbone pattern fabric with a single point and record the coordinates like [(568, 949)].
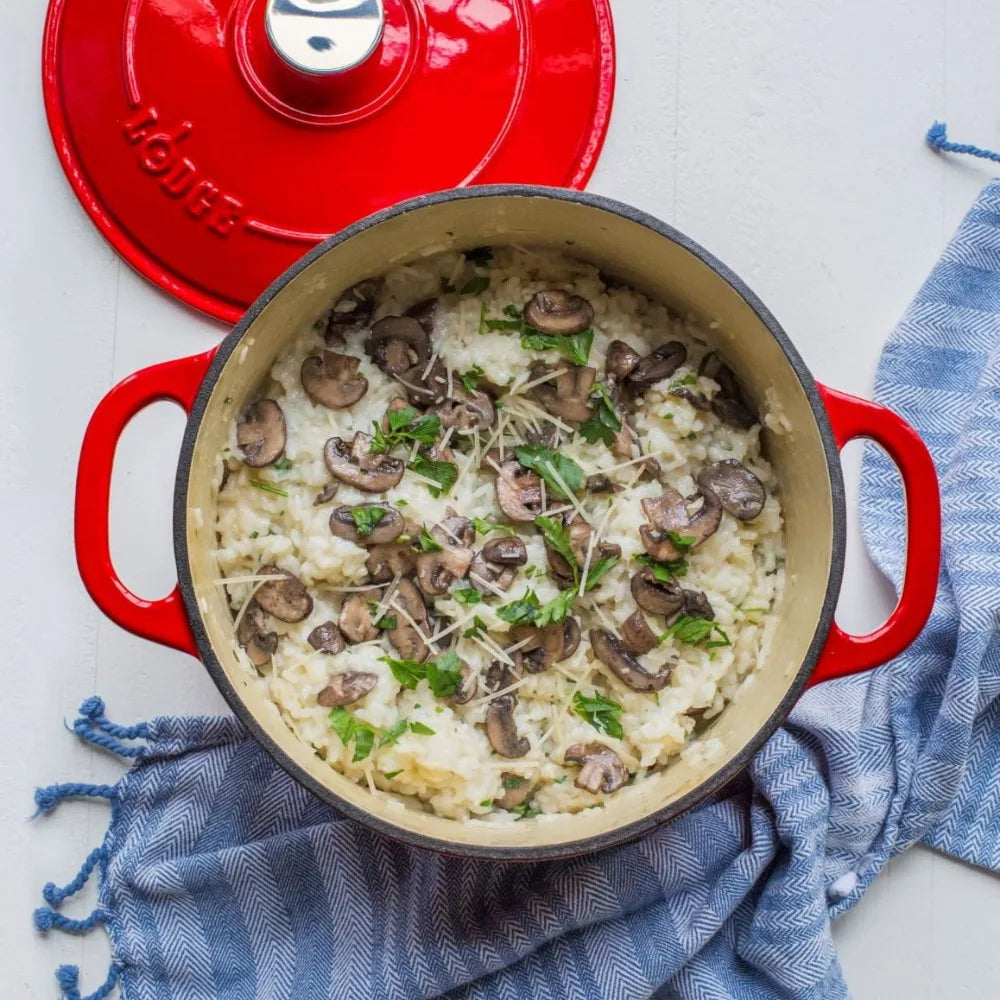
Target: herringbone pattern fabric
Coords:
[(226, 881)]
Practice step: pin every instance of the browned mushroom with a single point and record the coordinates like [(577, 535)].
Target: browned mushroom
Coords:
[(326, 638), (396, 330), (453, 529), (519, 491), (287, 599), (515, 790), (345, 689), (326, 494), (355, 465), (611, 651), (621, 359), (424, 313), (697, 605), (260, 433), (501, 730), (466, 411), (394, 407), (385, 562), (730, 404), (508, 551), (437, 571), (579, 540), (500, 675), (698, 400), (253, 636), (482, 573), (659, 364), (333, 380), (547, 435), (468, 685), (356, 618), (601, 768), (353, 309), (557, 312), (599, 483), (382, 523), (737, 489), (405, 637), (656, 596), (425, 386), (565, 396), (637, 636), (670, 522)]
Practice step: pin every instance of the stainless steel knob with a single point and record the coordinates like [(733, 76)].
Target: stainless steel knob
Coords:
[(324, 36)]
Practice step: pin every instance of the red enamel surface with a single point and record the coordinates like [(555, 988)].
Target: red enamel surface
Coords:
[(212, 166), (852, 418), (163, 620)]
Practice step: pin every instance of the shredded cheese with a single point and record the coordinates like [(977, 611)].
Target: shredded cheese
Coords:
[(569, 493), (476, 578), (426, 639), (430, 365)]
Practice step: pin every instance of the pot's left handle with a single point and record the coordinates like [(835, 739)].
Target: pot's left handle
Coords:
[(163, 620)]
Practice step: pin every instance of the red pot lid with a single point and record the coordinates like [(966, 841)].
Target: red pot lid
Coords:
[(215, 141)]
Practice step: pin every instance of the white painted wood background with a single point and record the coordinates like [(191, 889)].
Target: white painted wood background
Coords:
[(784, 135)]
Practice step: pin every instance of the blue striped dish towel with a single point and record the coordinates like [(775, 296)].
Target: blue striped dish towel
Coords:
[(221, 879)]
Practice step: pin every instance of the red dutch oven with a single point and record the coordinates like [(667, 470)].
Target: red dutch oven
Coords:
[(809, 646)]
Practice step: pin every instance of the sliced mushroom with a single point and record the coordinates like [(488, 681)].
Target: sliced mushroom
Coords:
[(566, 395), (260, 433), (579, 540), (404, 636), (655, 596), (557, 312), (611, 651), (546, 435), (601, 768), (698, 400), (501, 730), (253, 636), (355, 465), (397, 330), (482, 573), (353, 309), (621, 359), (326, 638), (730, 404), (659, 364), (425, 386), (356, 618), (737, 489), (287, 599), (637, 636), (516, 788), (501, 675), (453, 529), (326, 494), (669, 516), (345, 689), (697, 605), (599, 483), (333, 380), (519, 491), (424, 313), (437, 571), (508, 551), (571, 637), (343, 525), (468, 685), (466, 411), (385, 562)]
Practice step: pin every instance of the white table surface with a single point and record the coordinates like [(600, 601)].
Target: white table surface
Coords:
[(785, 136)]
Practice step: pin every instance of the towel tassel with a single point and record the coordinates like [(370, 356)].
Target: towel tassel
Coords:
[(68, 977), (937, 138)]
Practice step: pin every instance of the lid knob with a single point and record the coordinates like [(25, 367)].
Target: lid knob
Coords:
[(323, 37)]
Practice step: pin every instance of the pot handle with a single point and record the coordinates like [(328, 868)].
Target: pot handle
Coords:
[(163, 621), (851, 418)]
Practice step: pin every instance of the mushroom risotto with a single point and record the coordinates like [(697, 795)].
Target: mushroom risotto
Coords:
[(498, 535)]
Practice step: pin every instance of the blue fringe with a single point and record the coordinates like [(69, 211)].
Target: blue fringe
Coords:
[(937, 138)]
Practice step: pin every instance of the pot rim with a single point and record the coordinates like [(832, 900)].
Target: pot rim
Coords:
[(720, 777)]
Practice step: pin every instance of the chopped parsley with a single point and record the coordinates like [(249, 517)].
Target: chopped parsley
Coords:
[(421, 730), (525, 811), (558, 781), (664, 572), (443, 473), (487, 804), (513, 781), (514, 322), (426, 542), (605, 423), (598, 569), (476, 630), (545, 461), (254, 534), (476, 285), (267, 488), (283, 464), (407, 672), (367, 518), (575, 347), (387, 622), (467, 595), (557, 610), (347, 728), (604, 715), (406, 425), (444, 674), (558, 538), (389, 775), (393, 734), (484, 526), (522, 611), (681, 542), (695, 631), (470, 379), (689, 379)]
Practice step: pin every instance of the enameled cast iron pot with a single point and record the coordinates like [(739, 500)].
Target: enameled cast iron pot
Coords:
[(656, 259)]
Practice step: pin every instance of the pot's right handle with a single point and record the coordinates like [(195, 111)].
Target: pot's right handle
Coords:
[(851, 418), (164, 620)]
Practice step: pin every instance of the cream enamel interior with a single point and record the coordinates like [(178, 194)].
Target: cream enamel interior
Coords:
[(653, 264)]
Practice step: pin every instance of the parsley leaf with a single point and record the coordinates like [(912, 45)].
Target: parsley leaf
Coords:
[(485, 526), (283, 464), (486, 803), (406, 425), (467, 595), (694, 631), (501, 324), (575, 347), (664, 572), (544, 460), (421, 730), (513, 781), (600, 712), (480, 256), (364, 737), (520, 612), (470, 379), (524, 811), (347, 728), (407, 672), (605, 423), (426, 542), (556, 610), (598, 569), (681, 542), (387, 622), (342, 723), (557, 536), (389, 775), (689, 379), (476, 630), (367, 518), (393, 734), (444, 674), (443, 473), (267, 488), (476, 285)]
